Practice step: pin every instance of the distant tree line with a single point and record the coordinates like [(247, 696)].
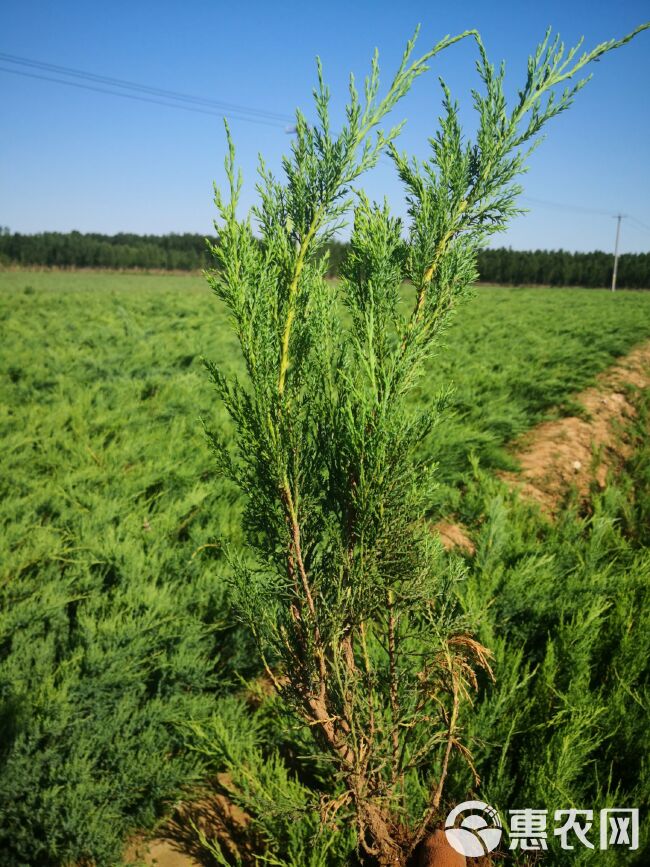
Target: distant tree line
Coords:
[(186, 252), (189, 252), (561, 268)]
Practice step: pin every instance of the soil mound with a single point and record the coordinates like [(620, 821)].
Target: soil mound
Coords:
[(572, 451)]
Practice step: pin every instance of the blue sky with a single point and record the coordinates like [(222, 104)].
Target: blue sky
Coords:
[(77, 159)]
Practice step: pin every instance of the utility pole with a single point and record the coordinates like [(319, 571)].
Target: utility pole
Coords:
[(618, 218)]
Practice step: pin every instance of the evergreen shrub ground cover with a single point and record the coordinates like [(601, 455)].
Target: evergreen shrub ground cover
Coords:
[(114, 629)]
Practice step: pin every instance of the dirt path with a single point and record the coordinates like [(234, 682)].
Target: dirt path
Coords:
[(161, 853), (573, 451), (179, 844)]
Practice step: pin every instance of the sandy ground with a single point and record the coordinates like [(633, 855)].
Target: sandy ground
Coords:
[(579, 451), (573, 451)]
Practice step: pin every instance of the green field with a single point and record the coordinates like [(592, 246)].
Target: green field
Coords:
[(103, 388), (115, 626)]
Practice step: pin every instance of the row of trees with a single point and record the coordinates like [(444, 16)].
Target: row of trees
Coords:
[(186, 252), (561, 268), (189, 252)]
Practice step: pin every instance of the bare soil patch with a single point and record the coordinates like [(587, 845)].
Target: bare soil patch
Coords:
[(179, 842), (573, 452), (454, 536), (576, 452)]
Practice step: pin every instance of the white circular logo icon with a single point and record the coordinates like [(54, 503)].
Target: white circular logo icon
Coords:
[(478, 832)]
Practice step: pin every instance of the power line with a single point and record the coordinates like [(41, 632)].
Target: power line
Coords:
[(582, 210), (643, 226), (195, 109), (144, 93), (144, 88), (564, 207)]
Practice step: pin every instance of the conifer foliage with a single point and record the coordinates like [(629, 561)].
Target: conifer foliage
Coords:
[(355, 626)]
